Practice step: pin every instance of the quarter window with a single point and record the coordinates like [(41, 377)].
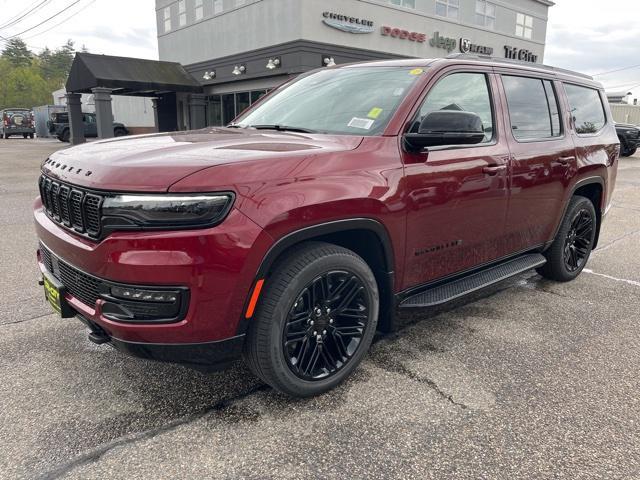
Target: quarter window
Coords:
[(586, 108), (199, 10), (448, 8), (167, 19), (182, 13), (533, 108), (485, 14), (524, 25), (462, 92)]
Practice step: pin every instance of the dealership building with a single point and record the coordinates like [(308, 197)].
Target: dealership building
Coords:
[(239, 49)]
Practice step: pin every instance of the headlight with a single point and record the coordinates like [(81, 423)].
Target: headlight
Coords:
[(165, 211)]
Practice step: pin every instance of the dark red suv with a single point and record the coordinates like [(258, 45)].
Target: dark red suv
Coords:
[(294, 233)]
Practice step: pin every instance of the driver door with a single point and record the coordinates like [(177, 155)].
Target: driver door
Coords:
[(457, 195)]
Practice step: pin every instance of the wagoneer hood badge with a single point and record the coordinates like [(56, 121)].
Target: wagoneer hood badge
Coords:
[(152, 163)]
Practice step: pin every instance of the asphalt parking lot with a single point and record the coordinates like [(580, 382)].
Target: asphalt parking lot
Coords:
[(530, 379)]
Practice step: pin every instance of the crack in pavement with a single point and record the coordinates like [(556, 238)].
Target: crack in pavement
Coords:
[(35, 317), (97, 453), (394, 366), (613, 242)]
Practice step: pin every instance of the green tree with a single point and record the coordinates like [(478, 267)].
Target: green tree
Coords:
[(17, 53)]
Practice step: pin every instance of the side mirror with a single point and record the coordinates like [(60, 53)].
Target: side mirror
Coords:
[(446, 127)]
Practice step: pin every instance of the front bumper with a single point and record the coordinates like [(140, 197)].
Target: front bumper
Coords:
[(216, 265)]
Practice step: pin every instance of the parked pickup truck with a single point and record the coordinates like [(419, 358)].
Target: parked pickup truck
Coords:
[(16, 121), (59, 126), (629, 136)]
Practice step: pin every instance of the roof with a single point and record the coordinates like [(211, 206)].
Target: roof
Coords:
[(128, 76), (467, 59)]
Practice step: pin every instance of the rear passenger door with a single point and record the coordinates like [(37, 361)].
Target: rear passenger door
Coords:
[(542, 158)]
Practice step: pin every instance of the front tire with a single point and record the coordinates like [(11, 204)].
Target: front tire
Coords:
[(572, 246), (315, 321)]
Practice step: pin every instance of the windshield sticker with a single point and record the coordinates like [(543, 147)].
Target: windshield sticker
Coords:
[(374, 113), (363, 123), (416, 71)]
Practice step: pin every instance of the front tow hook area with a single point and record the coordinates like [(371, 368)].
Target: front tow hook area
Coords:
[(97, 335), (98, 338)]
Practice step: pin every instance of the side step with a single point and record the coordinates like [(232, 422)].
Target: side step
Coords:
[(457, 288)]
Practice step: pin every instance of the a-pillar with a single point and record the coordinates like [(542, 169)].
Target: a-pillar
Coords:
[(104, 114), (197, 102), (76, 125)]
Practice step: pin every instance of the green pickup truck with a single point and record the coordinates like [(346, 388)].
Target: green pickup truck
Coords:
[(59, 126)]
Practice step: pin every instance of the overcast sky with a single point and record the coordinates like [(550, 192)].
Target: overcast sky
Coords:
[(590, 36)]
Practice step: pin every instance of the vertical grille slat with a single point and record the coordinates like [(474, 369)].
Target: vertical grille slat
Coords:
[(71, 206)]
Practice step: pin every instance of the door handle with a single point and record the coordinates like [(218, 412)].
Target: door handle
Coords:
[(566, 160), (493, 169)]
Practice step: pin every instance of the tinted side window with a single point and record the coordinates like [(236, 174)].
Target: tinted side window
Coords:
[(586, 108), (533, 108), (463, 92)]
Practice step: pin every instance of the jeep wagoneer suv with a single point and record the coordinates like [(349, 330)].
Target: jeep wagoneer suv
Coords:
[(290, 236)]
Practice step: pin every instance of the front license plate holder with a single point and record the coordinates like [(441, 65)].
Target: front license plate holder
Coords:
[(54, 293)]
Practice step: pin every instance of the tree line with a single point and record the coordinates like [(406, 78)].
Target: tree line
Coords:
[(28, 79)]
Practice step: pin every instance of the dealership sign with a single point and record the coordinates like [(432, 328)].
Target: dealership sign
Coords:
[(404, 34), (347, 23), (515, 53), (467, 47), (443, 42)]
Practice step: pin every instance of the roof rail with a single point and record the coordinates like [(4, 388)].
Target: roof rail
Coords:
[(468, 56)]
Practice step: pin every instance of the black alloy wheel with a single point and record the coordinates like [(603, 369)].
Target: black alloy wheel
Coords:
[(325, 325), (571, 248), (314, 321), (578, 240)]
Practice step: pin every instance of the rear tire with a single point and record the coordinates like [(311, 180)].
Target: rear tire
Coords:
[(632, 151), (119, 132), (572, 246), (31, 135), (315, 320), (65, 136)]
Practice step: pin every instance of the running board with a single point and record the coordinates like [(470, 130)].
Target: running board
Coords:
[(457, 288)]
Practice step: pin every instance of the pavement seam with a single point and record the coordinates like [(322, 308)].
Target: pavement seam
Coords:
[(97, 453), (27, 319)]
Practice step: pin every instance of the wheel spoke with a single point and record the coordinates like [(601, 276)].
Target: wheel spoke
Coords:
[(295, 337), (348, 298)]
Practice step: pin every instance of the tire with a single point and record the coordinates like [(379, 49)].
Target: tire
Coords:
[(119, 132), (66, 134), (6, 136), (31, 135), (572, 246), (25, 135), (631, 151), (287, 311)]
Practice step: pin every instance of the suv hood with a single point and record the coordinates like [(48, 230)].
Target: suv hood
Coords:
[(154, 162)]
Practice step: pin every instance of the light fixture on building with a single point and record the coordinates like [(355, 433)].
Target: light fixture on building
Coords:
[(329, 62), (273, 63), (239, 69), (209, 75)]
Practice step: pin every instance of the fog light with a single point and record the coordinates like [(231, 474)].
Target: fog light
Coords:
[(144, 295)]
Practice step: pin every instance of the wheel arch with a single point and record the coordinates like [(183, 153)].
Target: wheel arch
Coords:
[(365, 236), (593, 189)]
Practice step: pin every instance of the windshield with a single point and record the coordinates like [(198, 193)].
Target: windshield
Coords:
[(356, 101)]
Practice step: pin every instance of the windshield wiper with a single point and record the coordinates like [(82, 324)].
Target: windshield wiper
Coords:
[(282, 128)]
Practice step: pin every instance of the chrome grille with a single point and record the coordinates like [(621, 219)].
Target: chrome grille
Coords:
[(72, 206)]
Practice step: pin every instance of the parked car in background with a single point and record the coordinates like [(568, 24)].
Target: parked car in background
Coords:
[(629, 136), (16, 121), (292, 235), (59, 126)]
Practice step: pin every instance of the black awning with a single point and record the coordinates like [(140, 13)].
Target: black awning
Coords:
[(128, 76)]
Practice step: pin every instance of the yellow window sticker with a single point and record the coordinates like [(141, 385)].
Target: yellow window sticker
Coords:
[(374, 112), (416, 71)]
